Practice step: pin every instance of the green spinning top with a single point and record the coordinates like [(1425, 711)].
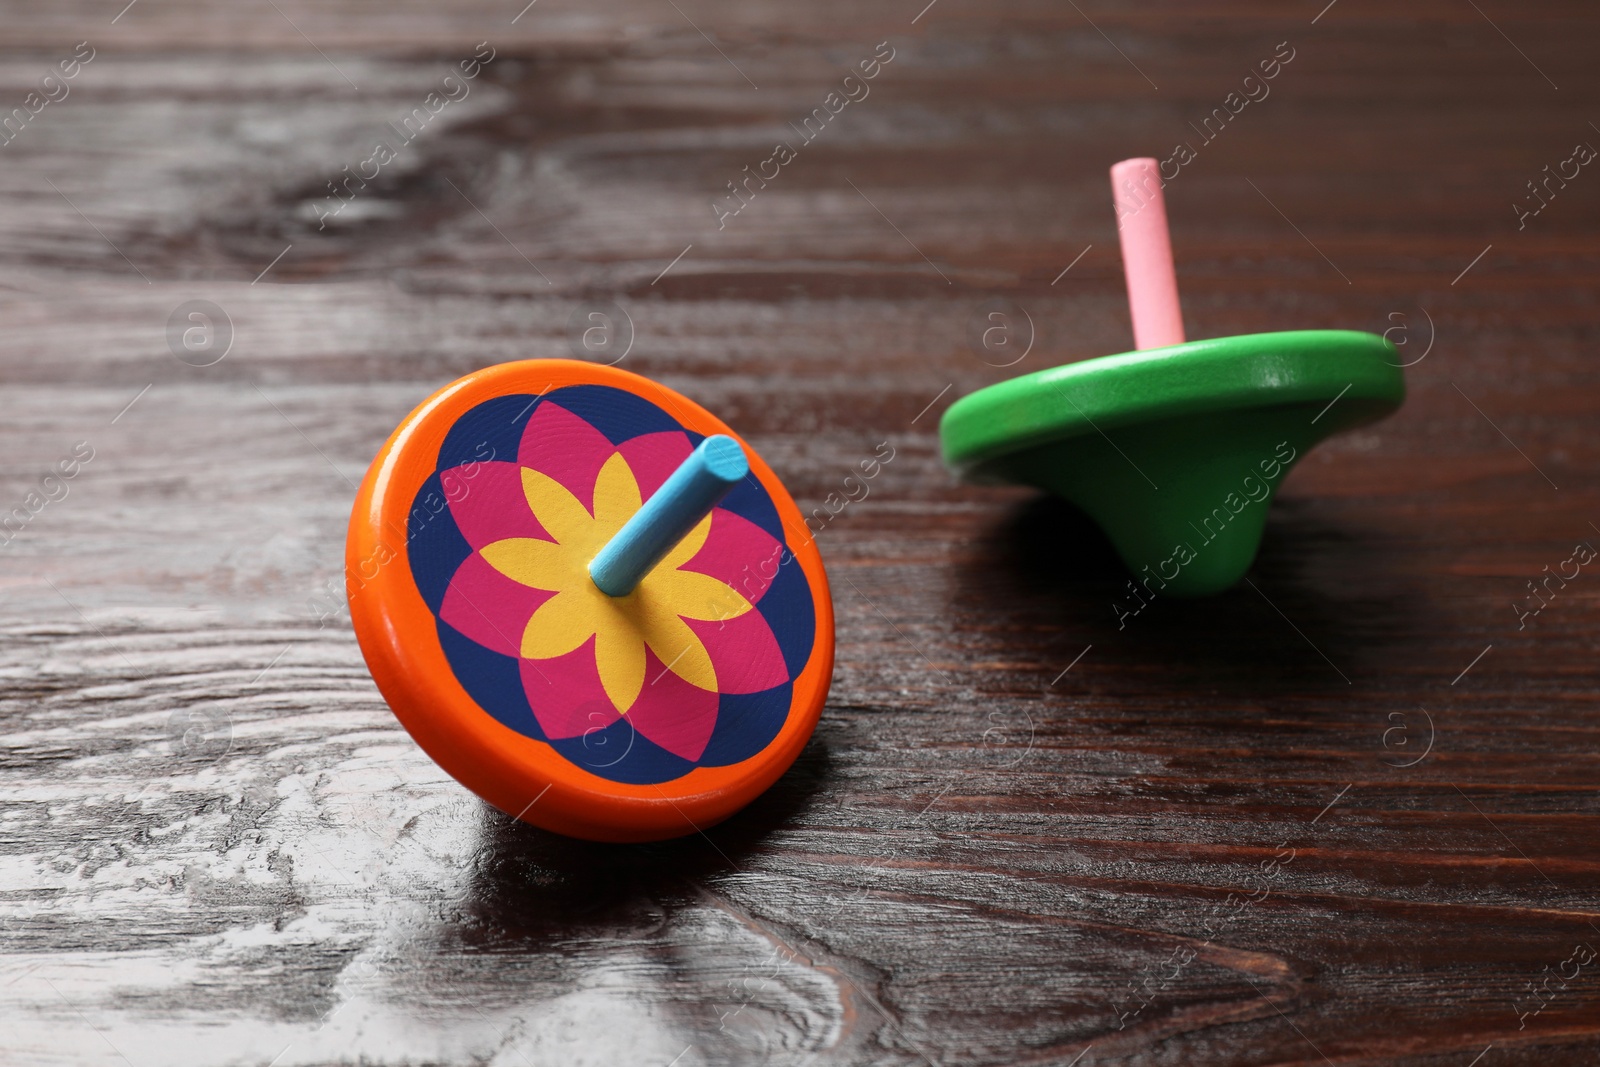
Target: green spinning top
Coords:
[(1176, 449)]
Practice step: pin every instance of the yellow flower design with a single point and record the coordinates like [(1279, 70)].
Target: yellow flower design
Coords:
[(652, 615)]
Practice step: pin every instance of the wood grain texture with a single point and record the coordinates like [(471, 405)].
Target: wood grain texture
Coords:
[(1199, 845)]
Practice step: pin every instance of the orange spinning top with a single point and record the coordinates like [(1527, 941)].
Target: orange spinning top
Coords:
[(482, 546)]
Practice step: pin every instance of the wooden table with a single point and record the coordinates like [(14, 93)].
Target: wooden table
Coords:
[(1346, 813)]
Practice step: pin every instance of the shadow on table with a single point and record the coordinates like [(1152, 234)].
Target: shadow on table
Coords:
[(1321, 600), (531, 885)]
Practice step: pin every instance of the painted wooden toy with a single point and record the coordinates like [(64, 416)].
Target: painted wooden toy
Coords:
[(1175, 449), (589, 601)]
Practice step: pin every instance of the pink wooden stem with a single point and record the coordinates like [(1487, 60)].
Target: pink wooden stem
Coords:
[(1147, 254)]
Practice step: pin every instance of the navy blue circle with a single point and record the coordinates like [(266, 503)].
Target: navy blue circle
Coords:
[(746, 722)]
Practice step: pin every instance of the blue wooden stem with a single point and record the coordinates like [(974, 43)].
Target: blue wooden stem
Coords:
[(682, 501)]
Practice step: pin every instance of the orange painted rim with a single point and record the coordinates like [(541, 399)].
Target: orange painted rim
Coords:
[(522, 776)]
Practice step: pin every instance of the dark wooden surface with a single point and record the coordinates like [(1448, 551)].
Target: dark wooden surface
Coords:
[(1287, 825)]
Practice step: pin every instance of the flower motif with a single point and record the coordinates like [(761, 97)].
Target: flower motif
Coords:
[(694, 667), (652, 615)]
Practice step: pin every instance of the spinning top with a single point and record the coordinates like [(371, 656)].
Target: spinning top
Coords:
[(1175, 450), (589, 601)]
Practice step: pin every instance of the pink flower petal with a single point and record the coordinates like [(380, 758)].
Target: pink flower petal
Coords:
[(492, 505), (674, 714), (743, 651), (740, 554), (654, 456), (488, 607), (560, 444), (566, 695)]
